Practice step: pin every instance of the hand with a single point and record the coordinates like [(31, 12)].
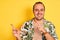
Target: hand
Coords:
[(40, 27), (16, 32)]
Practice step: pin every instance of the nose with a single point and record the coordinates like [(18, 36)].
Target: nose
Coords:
[(39, 12)]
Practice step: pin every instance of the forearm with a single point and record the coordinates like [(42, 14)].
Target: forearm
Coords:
[(48, 36)]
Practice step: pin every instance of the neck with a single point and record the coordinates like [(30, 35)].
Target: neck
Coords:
[(39, 21)]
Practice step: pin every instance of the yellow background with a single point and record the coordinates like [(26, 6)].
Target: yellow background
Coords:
[(16, 12)]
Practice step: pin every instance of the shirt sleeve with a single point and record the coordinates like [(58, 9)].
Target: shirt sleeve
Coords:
[(23, 32), (52, 31)]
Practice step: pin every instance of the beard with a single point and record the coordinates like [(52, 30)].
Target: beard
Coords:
[(39, 18)]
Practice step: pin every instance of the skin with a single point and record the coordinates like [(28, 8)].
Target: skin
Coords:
[(38, 20), (39, 12), (39, 15)]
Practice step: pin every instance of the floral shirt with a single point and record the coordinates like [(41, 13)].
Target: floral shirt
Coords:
[(27, 31)]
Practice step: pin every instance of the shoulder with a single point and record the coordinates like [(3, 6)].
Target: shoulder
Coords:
[(50, 24), (26, 24)]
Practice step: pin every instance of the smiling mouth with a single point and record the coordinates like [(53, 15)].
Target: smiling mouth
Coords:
[(39, 14)]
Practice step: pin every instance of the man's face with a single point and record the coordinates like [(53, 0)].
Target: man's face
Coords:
[(39, 11)]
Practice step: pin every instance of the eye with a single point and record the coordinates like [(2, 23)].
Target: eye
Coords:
[(36, 9), (42, 10)]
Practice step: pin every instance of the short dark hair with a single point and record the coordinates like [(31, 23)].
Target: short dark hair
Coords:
[(38, 3)]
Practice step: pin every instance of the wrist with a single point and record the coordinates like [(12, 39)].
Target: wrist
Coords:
[(45, 32)]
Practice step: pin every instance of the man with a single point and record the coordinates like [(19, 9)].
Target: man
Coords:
[(38, 28)]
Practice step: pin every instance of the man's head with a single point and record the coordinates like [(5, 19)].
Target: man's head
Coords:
[(39, 10)]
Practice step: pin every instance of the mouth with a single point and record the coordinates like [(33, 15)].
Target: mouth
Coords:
[(39, 15)]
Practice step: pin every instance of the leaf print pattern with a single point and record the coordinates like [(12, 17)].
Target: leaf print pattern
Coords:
[(29, 30)]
